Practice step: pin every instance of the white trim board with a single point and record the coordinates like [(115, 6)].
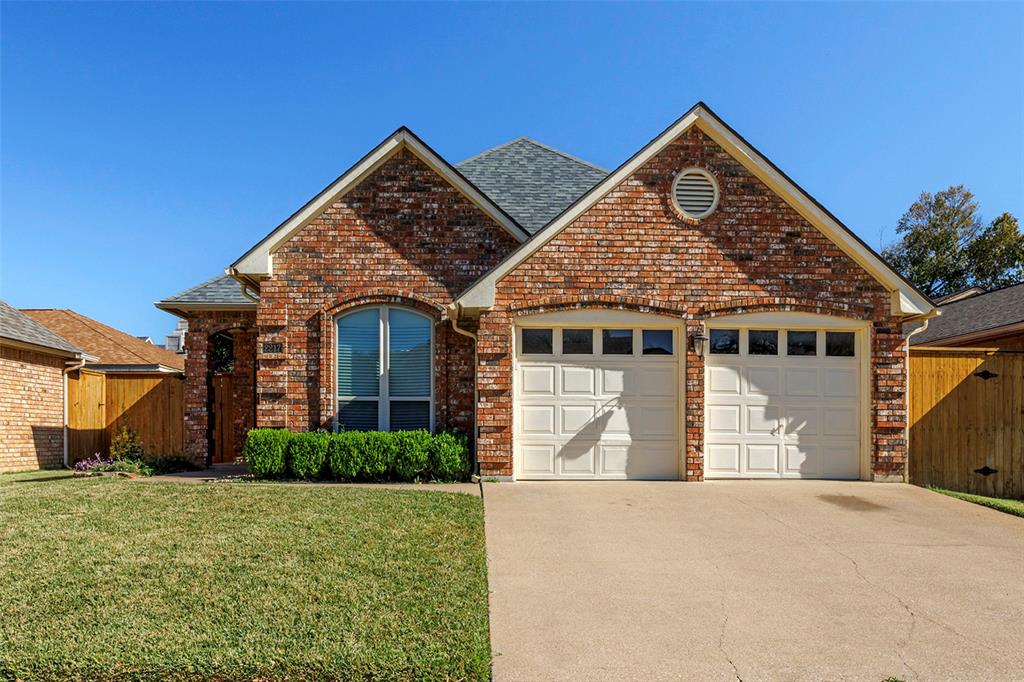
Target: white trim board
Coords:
[(258, 260), (905, 299)]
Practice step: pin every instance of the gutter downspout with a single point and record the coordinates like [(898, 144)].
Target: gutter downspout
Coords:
[(457, 308), (64, 386), (906, 430)]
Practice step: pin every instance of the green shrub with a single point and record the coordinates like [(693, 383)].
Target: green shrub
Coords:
[(413, 454), (169, 464), (379, 450), (345, 455), (265, 452), (449, 457), (126, 445), (306, 454)]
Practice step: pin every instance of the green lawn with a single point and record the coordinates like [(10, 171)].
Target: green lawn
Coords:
[(1015, 507), (118, 579)]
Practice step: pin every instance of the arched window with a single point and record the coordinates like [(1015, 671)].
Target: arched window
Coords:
[(385, 361)]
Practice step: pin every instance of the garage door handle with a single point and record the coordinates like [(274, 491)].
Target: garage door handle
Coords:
[(775, 431)]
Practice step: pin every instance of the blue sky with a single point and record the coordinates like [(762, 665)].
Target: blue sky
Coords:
[(146, 146)]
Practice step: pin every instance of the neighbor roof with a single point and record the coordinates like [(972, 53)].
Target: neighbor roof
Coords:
[(219, 290), (16, 326), (532, 182), (990, 311), (109, 346)]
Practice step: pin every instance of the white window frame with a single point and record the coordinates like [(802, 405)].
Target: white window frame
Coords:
[(383, 397)]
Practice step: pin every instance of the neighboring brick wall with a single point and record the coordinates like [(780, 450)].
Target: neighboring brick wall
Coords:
[(201, 326), (632, 250), (31, 410), (404, 236)]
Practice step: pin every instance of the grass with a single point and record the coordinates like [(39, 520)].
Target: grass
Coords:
[(1015, 507), (108, 578)]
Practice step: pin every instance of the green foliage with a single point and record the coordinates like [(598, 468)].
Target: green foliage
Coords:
[(126, 445), (413, 454), (169, 464), (379, 450), (306, 454), (944, 247), (265, 452), (359, 455), (345, 455), (449, 457)]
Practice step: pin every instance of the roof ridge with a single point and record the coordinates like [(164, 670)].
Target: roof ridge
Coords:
[(565, 154), (89, 322), (494, 149), (981, 295)]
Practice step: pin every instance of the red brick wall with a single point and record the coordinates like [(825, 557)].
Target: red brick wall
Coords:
[(201, 326), (403, 236), (31, 410), (632, 250)]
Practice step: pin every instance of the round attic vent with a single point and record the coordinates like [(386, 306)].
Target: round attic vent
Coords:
[(695, 193)]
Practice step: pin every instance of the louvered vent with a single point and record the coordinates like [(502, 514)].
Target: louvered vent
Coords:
[(695, 193)]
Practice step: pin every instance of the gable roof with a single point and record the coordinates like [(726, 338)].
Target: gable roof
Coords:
[(109, 346), (18, 327), (906, 299), (982, 315), (221, 292), (258, 261), (531, 181)]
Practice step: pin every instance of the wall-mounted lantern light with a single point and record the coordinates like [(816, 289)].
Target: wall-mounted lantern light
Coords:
[(699, 340)]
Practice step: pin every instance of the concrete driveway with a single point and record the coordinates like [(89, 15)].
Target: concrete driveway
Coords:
[(751, 580)]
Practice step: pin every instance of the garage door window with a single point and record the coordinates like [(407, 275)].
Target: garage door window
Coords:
[(839, 344), (725, 341), (801, 343), (617, 341), (577, 341), (385, 370), (763, 342), (657, 341), (537, 342)]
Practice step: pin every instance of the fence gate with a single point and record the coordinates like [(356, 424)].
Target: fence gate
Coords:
[(223, 420), (967, 420)]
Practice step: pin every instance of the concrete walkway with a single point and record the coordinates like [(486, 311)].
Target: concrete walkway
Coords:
[(751, 580)]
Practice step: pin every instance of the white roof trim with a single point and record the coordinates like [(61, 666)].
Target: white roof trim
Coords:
[(905, 301), (259, 259)]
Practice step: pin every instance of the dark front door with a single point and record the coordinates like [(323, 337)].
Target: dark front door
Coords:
[(223, 420)]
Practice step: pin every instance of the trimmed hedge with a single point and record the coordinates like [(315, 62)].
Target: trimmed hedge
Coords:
[(358, 455)]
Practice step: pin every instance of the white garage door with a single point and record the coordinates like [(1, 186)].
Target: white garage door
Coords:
[(782, 403), (596, 403)]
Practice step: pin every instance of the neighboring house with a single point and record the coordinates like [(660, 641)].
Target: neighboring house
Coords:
[(989, 319), (692, 314), (111, 350), (126, 382), (175, 341), (33, 365)]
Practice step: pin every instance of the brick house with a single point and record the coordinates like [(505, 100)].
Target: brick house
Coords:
[(33, 375), (691, 314)]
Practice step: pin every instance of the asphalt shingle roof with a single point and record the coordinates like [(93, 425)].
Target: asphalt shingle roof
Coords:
[(978, 313), (17, 326), (220, 289), (530, 181), (108, 345)]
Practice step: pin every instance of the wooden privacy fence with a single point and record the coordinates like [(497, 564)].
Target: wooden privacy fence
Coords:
[(967, 420), (100, 404)]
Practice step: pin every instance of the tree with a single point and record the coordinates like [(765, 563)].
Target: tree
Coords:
[(945, 247)]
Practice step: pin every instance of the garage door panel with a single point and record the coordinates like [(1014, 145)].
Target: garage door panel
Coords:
[(577, 458), (639, 460), (762, 419), (843, 460), (724, 380), (801, 420), (616, 381), (537, 420), (801, 382), (578, 381), (537, 381), (537, 460), (840, 421), (723, 458), (576, 418), (657, 382), (761, 459), (840, 383), (724, 419), (803, 461), (763, 381)]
